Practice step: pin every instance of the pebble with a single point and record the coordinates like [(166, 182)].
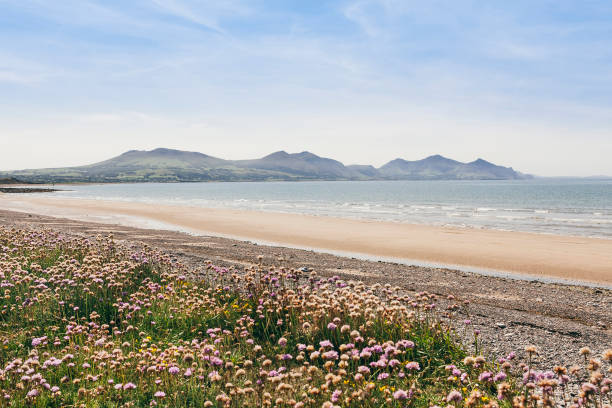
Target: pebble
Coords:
[(501, 325)]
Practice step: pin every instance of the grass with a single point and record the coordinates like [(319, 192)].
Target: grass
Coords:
[(90, 323)]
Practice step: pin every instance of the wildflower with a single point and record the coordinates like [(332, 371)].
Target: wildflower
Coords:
[(159, 394), (335, 397), (326, 343), (413, 365), (485, 376), (454, 396), (501, 376), (174, 370), (363, 370), (400, 395), (37, 341), (129, 386), (33, 393), (282, 342), (330, 355)]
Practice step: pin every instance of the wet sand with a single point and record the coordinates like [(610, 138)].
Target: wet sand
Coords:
[(537, 255)]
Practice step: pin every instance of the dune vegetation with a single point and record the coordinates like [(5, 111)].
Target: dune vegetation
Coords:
[(97, 323)]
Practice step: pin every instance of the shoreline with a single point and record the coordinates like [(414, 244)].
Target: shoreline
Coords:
[(509, 313), (520, 255)]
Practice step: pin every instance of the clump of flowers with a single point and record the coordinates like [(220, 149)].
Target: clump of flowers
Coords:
[(90, 322)]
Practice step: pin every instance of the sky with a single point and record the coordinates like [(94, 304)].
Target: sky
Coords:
[(522, 83)]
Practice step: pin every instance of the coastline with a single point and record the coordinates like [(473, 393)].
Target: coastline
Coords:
[(540, 256), (509, 313)]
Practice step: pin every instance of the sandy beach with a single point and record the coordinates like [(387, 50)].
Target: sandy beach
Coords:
[(509, 313), (538, 255)]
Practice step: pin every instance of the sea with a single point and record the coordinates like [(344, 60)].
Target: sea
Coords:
[(579, 207)]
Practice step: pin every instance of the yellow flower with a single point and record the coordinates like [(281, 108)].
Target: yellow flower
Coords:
[(464, 389)]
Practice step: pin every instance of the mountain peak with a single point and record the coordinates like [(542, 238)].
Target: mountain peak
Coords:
[(483, 163), (307, 155), (281, 154)]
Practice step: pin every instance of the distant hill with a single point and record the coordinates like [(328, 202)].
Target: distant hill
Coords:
[(10, 180), (440, 168), (168, 165), (303, 164)]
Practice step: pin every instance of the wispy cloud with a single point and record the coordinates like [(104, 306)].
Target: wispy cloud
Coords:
[(359, 12), (181, 10)]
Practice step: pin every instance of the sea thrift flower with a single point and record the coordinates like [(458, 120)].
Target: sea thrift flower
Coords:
[(33, 393), (326, 343), (400, 395), (129, 386), (454, 396), (335, 397), (413, 365)]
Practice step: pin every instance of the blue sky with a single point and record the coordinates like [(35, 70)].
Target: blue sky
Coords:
[(520, 83)]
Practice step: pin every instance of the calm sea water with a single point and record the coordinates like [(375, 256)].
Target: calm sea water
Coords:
[(557, 206)]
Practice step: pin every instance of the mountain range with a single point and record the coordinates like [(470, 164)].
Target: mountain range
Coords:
[(169, 165)]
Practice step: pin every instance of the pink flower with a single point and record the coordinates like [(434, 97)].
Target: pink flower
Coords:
[(454, 396), (413, 365), (326, 343), (174, 370), (159, 394), (330, 355), (33, 393), (335, 397), (400, 395)]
